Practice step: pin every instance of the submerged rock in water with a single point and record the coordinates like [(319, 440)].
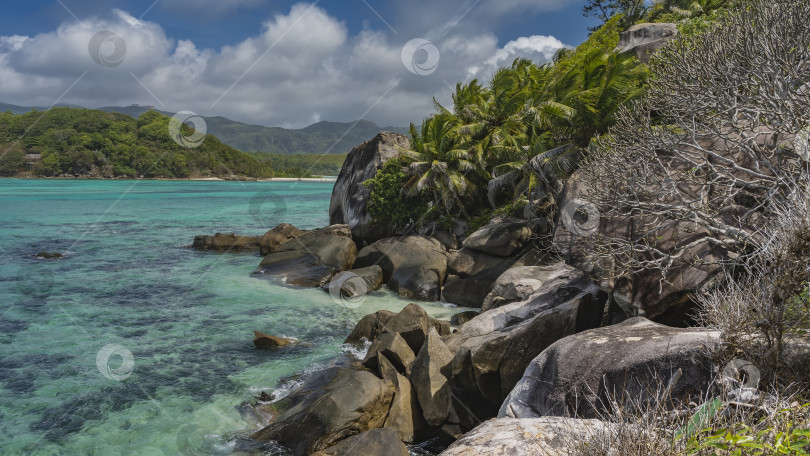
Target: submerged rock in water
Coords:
[(49, 256), (261, 340)]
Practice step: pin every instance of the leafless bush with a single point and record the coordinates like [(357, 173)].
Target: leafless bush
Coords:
[(763, 309), (658, 430), (702, 159)]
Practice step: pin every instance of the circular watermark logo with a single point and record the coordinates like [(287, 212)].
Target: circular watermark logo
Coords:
[(420, 57), (740, 373), (802, 143), (581, 217), (267, 208), (184, 118), (112, 369), (348, 289), (107, 49)]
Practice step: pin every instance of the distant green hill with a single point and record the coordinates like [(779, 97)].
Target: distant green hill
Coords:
[(93, 143), (303, 165)]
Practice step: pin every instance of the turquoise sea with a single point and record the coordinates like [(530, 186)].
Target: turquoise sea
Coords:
[(134, 343)]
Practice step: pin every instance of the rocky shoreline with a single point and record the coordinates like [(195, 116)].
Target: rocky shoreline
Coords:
[(546, 354)]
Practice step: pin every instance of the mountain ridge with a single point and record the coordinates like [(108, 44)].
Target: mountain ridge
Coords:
[(319, 138)]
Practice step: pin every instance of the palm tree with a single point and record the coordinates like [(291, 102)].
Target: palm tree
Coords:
[(438, 165)]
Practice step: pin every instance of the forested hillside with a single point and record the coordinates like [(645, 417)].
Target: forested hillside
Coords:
[(90, 143)]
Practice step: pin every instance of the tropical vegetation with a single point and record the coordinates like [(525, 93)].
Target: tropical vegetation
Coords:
[(90, 143), (512, 141)]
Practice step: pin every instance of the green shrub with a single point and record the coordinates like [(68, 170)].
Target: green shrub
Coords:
[(388, 205)]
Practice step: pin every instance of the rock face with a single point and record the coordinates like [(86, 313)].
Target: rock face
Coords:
[(551, 436), (349, 196), (261, 340), (356, 282), (412, 323), (376, 442), (637, 360), (498, 345), (311, 259), (394, 348), (645, 39), (277, 236), (517, 284), (430, 376), (226, 242), (413, 266), (501, 239), (644, 292), (405, 415), (335, 404), (49, 255)]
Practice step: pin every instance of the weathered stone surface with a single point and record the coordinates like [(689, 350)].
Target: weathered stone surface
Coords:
[(517, 284), (548, 436), (277, 236), (226, 242), (463, 317), (369, 327), (356, 282), (412, 323), (635, 360), (501, 239), (448, 240), (413, 266), (430, 376), (350, 196), (468, 262), (645, 39), (333, 405), (261, 340), (499, 344), (376, 442), (405, 415), (311, 259), (394, 348), (644, 292), (467, 292)]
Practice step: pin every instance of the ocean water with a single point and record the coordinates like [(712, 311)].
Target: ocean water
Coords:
[(134, 343)]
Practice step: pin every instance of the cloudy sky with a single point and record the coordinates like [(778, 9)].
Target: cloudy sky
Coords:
[(270, 62)]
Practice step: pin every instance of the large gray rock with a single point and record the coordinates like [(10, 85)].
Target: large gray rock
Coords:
[(350, 196), (467, 292), (405, 415), (551, 436), (356, 282), (226, 242), (312, 259), (376, 442), (335, 404), (277, 236), (634, 361), (497, 346), (413, 266), (412, 323), (517, 284), (394, 348), (501, 239), (645, 39), (430, 376)]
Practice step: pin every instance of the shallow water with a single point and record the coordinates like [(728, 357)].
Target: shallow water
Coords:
[(134, 344)]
